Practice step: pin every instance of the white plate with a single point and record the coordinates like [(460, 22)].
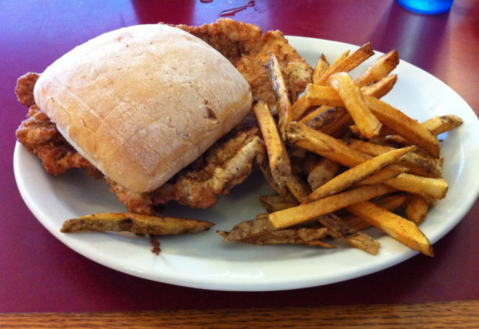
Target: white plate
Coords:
[(204, 261)]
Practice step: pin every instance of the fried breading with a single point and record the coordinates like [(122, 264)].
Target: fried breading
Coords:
[(247, 48)]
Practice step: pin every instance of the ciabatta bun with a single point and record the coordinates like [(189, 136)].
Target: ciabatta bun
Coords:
[(143, 102)]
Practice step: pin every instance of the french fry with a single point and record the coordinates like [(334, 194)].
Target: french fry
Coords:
[(249, 229), (418, 164), (416, 210), (280, 91), (135, 223), (442, 124), (357, 173), (324, 171), (305, 212), (430, 188), (350, 93), (384, 175), (274, 203), (324, 145), (321, 121), (289, 236), (395, 226), (320, 69), (347, 64), (404, 125), (380, 68), (391, 203), (277, 154), (381, 87), (356, 239), (298, 188)]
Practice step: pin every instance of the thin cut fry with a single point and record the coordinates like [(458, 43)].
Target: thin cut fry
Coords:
[(349, 63), (350, 93), (135, 223), (277, 154), (404, 125), (384, 175), (321, 67), (380, 88), (298, 188), (429, 188), (380, 68), (280, 91), (322, 173), (305, 212), (397, 227), (357, 173), (274, 203), (356, 239), (416, 210)]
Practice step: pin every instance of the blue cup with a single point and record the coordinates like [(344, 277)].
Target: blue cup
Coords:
[(429, 7)]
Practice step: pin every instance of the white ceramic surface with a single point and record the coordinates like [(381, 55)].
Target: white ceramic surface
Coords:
[(204, 261)]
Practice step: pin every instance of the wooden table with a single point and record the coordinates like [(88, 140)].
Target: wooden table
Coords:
[(43, 284)]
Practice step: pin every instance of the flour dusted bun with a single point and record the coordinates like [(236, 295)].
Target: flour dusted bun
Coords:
[(143, 102)]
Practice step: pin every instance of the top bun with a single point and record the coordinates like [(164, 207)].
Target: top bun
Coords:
[(143, 102)]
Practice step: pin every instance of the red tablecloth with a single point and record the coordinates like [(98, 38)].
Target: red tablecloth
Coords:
[(38, 273)]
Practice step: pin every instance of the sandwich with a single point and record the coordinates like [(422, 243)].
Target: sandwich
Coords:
[(160, 112)]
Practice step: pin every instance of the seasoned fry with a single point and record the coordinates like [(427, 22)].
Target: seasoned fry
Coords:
[(384, 175), (416, 210), (392, 203), (380, 68), (381, 87), (323, 120), (397, 227), (298, 188), (274, 203), (418, 164), (305, 212), (442, 124), (322, 173), (321, 67), (357, 173), (356, 239), (324, 145), (277, 154), (135, 223), (350, 93), (430, 188), (280, 91), (307, 236), (249, 229), (404, 125), (347, 64)]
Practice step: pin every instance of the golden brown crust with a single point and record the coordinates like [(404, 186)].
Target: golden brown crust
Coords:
[(142, 116)]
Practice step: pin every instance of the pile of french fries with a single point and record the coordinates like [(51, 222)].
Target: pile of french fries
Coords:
[(341, 160)]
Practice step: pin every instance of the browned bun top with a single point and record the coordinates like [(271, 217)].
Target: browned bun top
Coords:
[(143, 102)]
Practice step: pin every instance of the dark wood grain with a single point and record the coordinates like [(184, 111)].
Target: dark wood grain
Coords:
[(428, 315)]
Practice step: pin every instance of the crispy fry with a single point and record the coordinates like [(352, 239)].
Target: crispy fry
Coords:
[(381, 87), (416, 210), (135, 223), (356, 239), (249, 229), (357, 173), (323, 120), (274, 203), (305, 212), (349, 63), (322, 173), (277, 154), (350, 93), (380, 68), (397, 227), (384, 175), (418, 164), (324, 145), (442, 124), (429, 188), (289, 236), (298, 188), (391, 202), (404, 125), (280, 91), (321, 67)]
